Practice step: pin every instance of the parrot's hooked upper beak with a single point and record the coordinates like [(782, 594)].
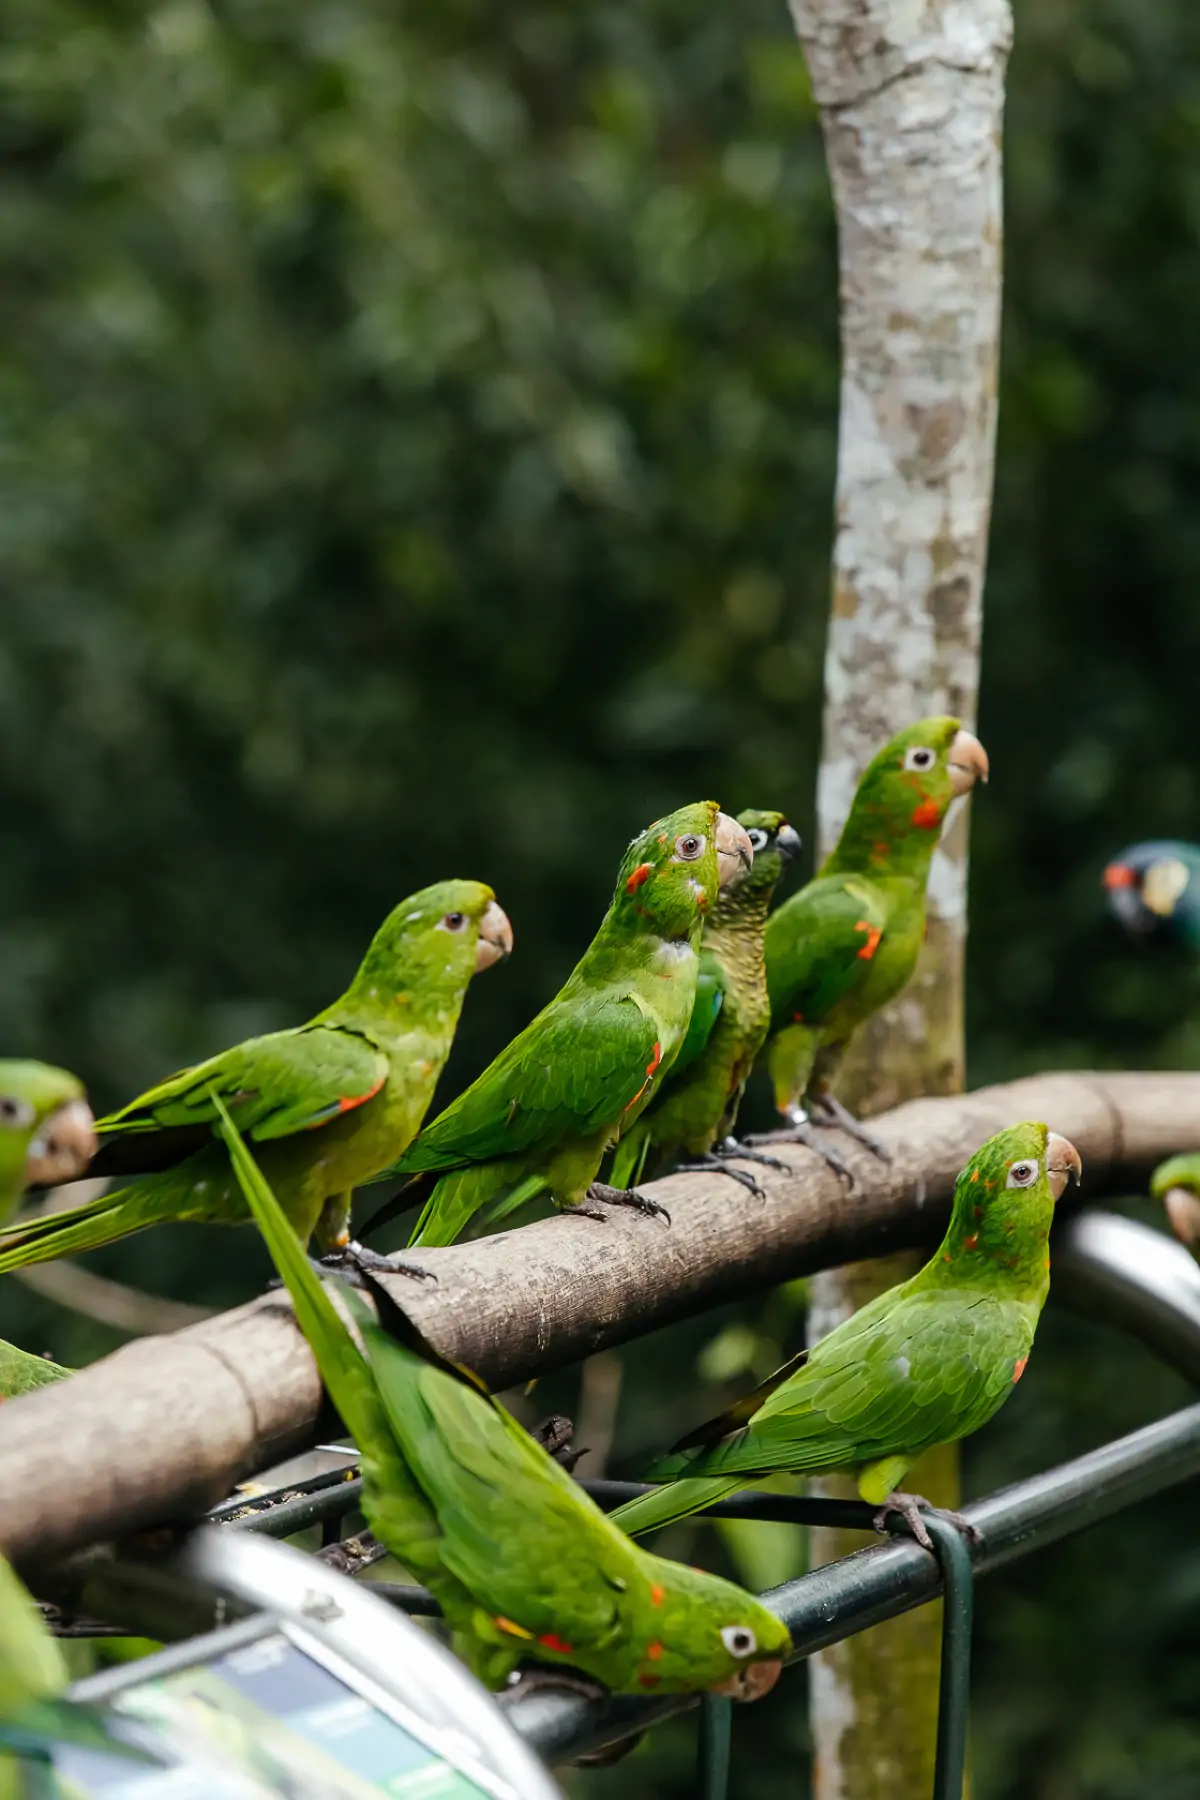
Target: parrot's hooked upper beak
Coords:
[(63, 1147), (735, 852), (787, 842), (1062, 1161), (495, 937), (752, 1682), (1183, 1212), (968, 762)]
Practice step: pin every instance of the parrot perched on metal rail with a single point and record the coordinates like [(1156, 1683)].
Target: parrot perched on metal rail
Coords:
[(331, 1103), (1154, 890), (928, 1362), (696, 1107), (848, 942), (526, 1567), (541, 1116)]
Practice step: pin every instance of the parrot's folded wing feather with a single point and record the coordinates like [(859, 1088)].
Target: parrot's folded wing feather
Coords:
[(819, 946), (516, 1529), (273, 1086), (577, 1066), (926, 1370)]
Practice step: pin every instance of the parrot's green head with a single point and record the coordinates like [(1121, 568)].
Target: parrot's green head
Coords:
[(774, 843), (903, 797), (707, 1633), (1177, 1184), (671, 874), (1004, 1204), (46, 1133), (428, 947)]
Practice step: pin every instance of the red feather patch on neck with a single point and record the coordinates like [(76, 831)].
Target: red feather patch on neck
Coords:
[(927, 816)]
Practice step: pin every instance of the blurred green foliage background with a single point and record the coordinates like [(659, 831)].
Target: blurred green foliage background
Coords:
[(417, 432)]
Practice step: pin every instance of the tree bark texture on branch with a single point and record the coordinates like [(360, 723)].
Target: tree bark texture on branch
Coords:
[(911, 101), (165, 1427)]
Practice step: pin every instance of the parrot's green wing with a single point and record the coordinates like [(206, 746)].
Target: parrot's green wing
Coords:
[(819, 946), (925, 1368), (516, 1529), (581, 1062), (273, 1086), (706, 1010)]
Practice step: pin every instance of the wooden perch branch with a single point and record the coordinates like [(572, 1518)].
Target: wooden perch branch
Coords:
[(165, 1427)]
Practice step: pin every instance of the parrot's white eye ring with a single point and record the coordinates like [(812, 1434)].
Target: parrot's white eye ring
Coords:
[(453, 921), (690, 846), (758, 839), (920, 758), (15, 1114), (739, 1640), (1023, 1174)]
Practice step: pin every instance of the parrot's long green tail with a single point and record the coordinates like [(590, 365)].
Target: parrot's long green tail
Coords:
[(674, 1500), (100, 1221), (459, 1196), (629, 1158)]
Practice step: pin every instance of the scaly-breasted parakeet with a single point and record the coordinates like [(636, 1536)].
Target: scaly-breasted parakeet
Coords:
[(697, 1105), (1154, 890), (848, 942), (541, 1116), (1176, 1183), (926, 1363), (330, 1103), (525, 1565)]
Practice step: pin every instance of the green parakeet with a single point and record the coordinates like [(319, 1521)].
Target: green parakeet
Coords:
[(697, 1104), (541, 1116), (848, 942), (331, 1103), (926, 1363), (524, 1564), (1176, 1183), (46, 1136), (46, 1133)]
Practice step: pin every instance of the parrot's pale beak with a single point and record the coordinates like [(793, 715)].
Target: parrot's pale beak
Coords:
[(735, 852), (1183, 1213), (63, 1148), (495, 937), (1164, 885), (1062, 1161), (967, 762), (787, 842), (752, 1682)]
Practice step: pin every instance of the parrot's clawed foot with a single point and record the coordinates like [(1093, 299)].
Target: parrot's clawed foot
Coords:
[(614, 1196), (713, 1165), (538, 1678), (731, 1147), (909, 1506), (357, 1259), (831, 1112), (802, 1131), (555, 1435)]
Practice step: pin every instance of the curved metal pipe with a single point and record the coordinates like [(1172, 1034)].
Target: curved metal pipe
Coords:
[(1126, 1274)]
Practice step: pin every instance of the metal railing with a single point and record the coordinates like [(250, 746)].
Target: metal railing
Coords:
[(1105, 1266)]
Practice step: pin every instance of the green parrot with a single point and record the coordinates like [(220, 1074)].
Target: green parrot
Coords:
[(697, 1104), (1176, 1183), (848, 942), (541, 1117), (46, 1133), (331, 1102), (926, 1363), (46, 1136), (524, 1564)]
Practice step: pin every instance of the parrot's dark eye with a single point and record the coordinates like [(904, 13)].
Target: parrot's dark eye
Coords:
[(453, 921), (689, 846), (920, 757), (1022, 1174), (758, 839), (14, 1112), (739, 1640)]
